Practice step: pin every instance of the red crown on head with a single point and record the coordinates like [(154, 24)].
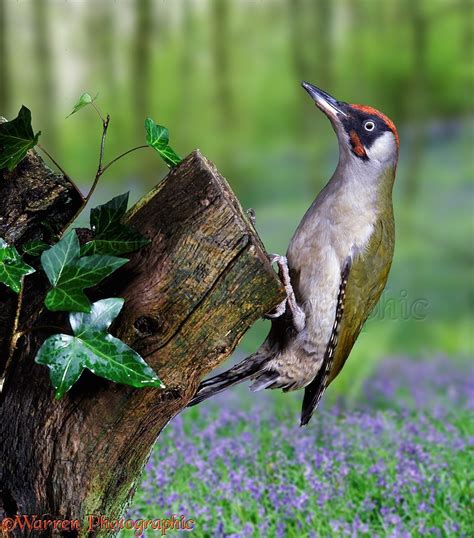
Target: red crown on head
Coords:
[(388, 122)]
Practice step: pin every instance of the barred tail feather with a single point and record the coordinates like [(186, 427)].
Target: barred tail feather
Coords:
[(240, 372), (264, 381)]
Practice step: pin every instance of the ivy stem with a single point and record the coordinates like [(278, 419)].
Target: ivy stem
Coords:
[(100, 170), (15, 335), (122, 155), (97, 109), (59, 167)]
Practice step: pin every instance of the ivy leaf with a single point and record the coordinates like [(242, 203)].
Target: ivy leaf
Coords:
[(12, 267), (93, 348), (120, 246), (104, 218), (157, 137), (84, 100), (110, 235), (65, 357), (16, 138), (65, 252), (170, 157), (34, 247), (68, 293), (70, 274)]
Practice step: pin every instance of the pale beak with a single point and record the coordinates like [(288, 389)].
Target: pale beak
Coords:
[(325, 102)]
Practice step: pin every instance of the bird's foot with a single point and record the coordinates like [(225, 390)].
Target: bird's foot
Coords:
[(278, 311), (297, 313)]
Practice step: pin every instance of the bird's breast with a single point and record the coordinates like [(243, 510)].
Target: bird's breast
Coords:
[(331, 234)]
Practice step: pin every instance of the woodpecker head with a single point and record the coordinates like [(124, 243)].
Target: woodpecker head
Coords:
[(365, 134)]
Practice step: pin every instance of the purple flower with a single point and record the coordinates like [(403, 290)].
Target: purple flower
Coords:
[(391, 464)]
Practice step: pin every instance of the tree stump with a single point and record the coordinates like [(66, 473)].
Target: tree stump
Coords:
[(190, 296)]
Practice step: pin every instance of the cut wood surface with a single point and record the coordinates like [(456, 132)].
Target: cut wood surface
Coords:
[(190, 296)]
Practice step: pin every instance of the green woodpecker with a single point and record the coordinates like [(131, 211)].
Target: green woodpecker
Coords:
[(336, 266)]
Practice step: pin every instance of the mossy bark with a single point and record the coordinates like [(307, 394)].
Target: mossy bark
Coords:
[(190, 296)]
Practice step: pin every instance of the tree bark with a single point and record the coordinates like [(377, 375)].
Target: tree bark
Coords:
[(35, 203), (190, 296)]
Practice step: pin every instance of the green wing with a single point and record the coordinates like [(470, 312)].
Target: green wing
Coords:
[(366, 278)]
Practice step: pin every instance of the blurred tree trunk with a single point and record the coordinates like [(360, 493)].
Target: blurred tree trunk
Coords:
[(467, 46), (221, 40), (298, 45), (187, 69), (323, 49), (311, 46), (221, 55), (299, 40), (4, 62), (417, 104), (142, 62), (355, 14), (188, 33), (44, 68), (103, 44)]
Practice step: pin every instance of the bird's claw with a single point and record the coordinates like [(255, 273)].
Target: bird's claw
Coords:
[(278, 311), (299, 317), (275, 258)]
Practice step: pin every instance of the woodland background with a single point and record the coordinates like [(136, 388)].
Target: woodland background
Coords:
[(224, 76)]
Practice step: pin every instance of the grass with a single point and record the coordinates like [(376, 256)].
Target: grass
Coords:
[(397, 462)]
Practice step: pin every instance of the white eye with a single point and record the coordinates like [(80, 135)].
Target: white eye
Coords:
[(369, 125)]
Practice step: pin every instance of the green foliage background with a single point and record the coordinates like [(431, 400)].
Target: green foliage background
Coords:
[(224, 76)]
